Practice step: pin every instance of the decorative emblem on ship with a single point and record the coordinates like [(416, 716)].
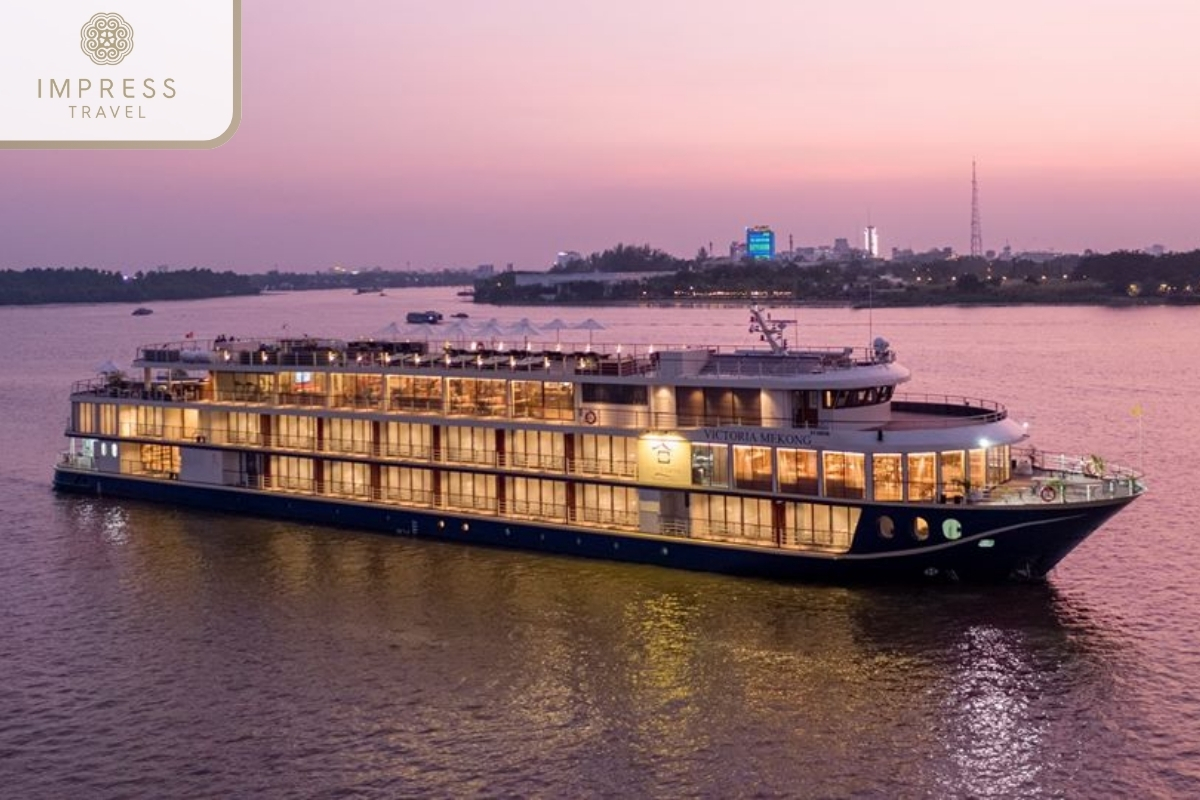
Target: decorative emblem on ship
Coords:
[(107, 38)]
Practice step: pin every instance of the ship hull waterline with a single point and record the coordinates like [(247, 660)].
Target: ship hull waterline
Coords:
[(1004, 544)]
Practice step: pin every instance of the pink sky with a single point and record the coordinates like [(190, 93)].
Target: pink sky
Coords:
[(461, 132)]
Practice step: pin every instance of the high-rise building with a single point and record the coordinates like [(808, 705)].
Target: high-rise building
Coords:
[(871, 241), (760, 243)]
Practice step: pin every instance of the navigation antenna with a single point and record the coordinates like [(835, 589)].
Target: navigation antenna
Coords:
[(976, 226), (771, 330)]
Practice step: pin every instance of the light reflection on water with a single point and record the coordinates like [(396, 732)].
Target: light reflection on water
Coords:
[(156, 651)]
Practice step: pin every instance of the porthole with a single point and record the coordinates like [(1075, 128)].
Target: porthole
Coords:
[(952, 529), (441, 524), (466, 527), (887, 528), (920, 529)]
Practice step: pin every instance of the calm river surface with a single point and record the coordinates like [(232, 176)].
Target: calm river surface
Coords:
[(147, 651)]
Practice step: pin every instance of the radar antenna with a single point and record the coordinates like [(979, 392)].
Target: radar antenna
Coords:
[(771, 330)]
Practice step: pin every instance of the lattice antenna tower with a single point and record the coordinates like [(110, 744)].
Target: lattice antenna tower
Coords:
[(976, 226)]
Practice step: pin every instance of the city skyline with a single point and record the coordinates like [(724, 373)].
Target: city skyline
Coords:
[(404, 135)]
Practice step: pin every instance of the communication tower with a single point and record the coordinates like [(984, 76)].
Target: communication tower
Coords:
[(976, 226)]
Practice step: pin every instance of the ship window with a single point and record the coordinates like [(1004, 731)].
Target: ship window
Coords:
[(295, 433), (717, 516), (476, 397), (150, 420), (354, 391), (466, 491), (409, 393), (606, 455), (615, 393), (607, 506), (921, 480), (855, 398), (977, 463), (797, 471), (715, 405), (295, 388), (887, 528), (349, 479), (467, 445), (541, 400), (408, 440), (752, 468), (952, 529), (405, 485), (886, 472), (954, 476), (920, 529), (108, 419), (542, 450), (998, 465), (85, 418), (710, 464), (844, 474), (536, 498), (291, 473), (349, 436), (159, 460), (813, 525)]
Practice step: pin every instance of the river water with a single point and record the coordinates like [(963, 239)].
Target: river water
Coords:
[(148, 651)]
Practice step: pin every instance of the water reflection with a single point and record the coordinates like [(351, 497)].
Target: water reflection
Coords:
[(429, 662)]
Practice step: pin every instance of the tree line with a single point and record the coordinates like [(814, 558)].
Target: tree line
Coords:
[(87, 285)]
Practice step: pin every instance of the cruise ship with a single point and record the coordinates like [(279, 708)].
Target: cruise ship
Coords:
[(803, 464)]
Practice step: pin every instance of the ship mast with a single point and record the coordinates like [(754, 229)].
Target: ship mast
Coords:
[(771, 329)]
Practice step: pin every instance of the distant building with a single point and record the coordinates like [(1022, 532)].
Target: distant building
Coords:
[(936, 254), (566, 257), (760, 243), (871, 241), (737, 250), (841, 247)]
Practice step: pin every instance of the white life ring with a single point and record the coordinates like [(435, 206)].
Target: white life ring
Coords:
[(589, 417), (1048, 494)]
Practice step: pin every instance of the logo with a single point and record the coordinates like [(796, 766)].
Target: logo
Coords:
[(171, 94), (107, 38)]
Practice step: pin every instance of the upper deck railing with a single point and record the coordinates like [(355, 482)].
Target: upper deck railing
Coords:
[(435, 354)]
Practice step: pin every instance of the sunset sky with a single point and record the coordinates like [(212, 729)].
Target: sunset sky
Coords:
[(462, 132)]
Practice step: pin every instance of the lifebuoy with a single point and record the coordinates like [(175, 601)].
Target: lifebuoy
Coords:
[(1048, 493), (589, 417)]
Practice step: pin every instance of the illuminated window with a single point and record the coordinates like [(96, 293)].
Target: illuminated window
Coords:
[(952, 529), (710, 465), (922, 482), (797, 471), (844, 474), (752, 468), (888, 480), (954, 476), (920, 529)]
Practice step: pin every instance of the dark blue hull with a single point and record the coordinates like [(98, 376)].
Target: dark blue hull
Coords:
[(998, 543)]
